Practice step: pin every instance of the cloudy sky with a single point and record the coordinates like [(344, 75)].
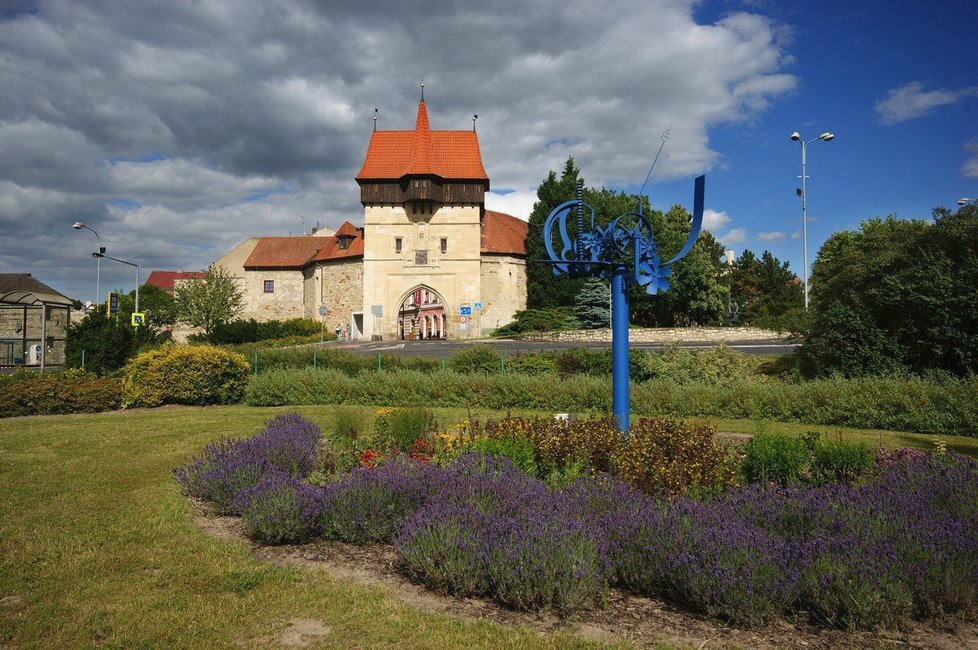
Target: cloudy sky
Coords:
[(175, 129)]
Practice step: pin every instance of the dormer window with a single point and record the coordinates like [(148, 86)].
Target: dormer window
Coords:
[(345, 242)]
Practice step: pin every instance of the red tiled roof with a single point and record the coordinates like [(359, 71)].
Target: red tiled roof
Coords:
[(447, 154), (332, 250), (503, 234), (164, 279), (284, 252)]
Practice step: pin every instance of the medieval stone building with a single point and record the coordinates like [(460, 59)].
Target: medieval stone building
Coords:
[(429, 262)]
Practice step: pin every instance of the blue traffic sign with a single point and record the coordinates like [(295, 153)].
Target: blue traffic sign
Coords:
[(465, 311), (478, 306)]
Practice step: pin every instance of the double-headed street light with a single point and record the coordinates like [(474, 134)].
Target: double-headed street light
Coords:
[(116, 259), (966, 200), (804, 197), (78, 225)]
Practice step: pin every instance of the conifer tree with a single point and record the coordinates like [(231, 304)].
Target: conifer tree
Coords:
[(593, 304)]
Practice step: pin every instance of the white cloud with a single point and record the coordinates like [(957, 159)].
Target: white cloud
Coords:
[(714, 221), (735, 236), (773, 236), (912, 101), (970, 167), (518, 204), (253, 119)]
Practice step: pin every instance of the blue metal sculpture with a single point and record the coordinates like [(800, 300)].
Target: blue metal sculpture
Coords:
[(623, 252)]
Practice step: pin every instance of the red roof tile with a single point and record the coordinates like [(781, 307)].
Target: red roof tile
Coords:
[(164, 279), (284, 252), (451, 155), (332, 250), (503, 234)]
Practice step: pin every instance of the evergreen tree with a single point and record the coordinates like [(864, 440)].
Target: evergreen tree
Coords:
[(593, 304), (543, 288), (107, 342), (767, 291)]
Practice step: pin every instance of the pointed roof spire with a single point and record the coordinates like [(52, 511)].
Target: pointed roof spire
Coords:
[(421, 158)]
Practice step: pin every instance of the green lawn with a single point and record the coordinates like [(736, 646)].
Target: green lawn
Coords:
[(97, 545)]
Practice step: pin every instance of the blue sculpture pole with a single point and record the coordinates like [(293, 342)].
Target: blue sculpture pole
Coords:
[(620, 394), (622, 252)]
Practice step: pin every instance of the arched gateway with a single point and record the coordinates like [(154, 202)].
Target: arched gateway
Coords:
[(421, 315)]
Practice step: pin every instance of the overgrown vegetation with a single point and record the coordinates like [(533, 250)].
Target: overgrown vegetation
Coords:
[(859, 556)]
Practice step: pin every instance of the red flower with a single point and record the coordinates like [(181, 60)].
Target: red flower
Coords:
[(369, 458)]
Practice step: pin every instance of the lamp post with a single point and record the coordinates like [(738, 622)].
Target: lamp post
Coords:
[(966, 200), (804, 197), (116, 259), (78, 225)]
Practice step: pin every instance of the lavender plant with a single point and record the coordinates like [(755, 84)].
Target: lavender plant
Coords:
[(279, 509), (289, 443), (370, 505)]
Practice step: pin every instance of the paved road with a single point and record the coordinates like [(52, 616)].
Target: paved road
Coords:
[(509, 347)]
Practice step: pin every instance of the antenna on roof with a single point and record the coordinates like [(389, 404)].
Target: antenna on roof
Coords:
[(422, 87), (376, 114), (474, 118)]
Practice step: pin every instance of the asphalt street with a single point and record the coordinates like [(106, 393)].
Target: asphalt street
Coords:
[(510, 347)]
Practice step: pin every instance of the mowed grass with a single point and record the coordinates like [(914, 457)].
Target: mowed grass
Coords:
[(97, 545)]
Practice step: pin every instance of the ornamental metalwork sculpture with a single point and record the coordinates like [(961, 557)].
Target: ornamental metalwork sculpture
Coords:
[(623, 252)]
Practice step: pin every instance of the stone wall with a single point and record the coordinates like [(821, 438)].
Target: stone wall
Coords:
[(283, 303), (663, 335), (503, 291), (389, 275), (342, 292)]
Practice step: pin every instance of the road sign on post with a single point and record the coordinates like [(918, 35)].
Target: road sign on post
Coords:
[(465, 310)]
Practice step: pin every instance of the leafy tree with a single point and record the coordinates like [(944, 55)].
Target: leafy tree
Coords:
[(768, 292), (159, 306), (206, 303), (696, 295), (107, 341), (897, 294), (593, 306)]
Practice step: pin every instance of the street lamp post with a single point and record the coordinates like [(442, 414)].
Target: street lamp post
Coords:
[(804, 198), (78, 225), (966, 200), (116, 259)]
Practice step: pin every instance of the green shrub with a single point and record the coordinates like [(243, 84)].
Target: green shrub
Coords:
[(584, 361), (539, 320), (515, 447), (774, 457), (482, 359), (71, 391), (839, 461), (531, 364), (675, 456), (185, 375), (250, 331), (558, 444), (398, 428)]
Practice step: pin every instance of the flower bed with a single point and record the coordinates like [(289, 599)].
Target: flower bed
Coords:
[(901, 544)]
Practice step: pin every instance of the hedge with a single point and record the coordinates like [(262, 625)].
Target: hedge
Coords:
[(948, 407)]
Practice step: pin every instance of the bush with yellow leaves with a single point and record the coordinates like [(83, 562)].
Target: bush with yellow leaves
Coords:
[(176, 374)]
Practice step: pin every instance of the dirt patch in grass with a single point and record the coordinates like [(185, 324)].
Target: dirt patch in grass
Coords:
[(643, 621)]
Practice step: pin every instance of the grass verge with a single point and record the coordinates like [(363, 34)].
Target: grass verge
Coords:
[(97, 547)]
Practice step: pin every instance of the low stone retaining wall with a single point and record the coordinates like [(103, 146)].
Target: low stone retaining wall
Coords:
[(662, 335)]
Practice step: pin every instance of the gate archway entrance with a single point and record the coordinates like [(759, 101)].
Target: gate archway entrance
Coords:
[(421, 315)]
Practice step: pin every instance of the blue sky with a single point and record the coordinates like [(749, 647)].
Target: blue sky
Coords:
[(176, 130), (896, 82)]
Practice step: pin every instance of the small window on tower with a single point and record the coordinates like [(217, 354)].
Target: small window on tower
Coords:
[(444, 245), (397, 244), (269, 286)]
